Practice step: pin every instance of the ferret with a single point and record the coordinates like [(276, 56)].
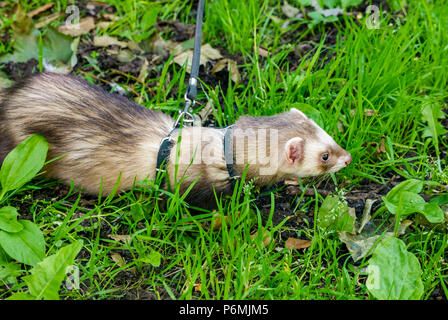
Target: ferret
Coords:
[(102, 136)]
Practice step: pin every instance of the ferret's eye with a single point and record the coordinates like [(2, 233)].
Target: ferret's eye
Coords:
[(325, 156)]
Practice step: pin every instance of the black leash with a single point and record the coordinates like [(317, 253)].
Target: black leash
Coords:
[(186, 116)]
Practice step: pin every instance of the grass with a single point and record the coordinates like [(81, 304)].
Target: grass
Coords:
[(367, 86)]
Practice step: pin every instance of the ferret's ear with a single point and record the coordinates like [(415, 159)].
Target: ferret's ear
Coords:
[(297, 111), (294, 149)]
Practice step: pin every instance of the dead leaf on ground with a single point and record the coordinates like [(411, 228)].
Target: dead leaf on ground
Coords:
[(217, 221), (367, 113), (262, 52), (292, 182), (22, 23), (117, 258), (231, 67), (125, 238), (197, 287), (47, 20), (266, 237), (84, 26), (105, 41), (207, 53), (40, 9), (289, 10), (294, 243)]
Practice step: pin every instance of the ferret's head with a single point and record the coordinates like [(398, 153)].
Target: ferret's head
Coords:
[(309, 150)]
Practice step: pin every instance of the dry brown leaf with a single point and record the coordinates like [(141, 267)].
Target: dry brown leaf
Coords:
[(294, 243), (382, 146), (197, 287), (367, 112), (289, 10), (217, 221), (266, 237), (109, 16), (104, 24), (262, 52), (47, 20), (41, 9), (117, 258), (292, 182), (105, 41), (84, 26), (98, 4), (125, 238), (22, 23), (207, 53), (231, 67)]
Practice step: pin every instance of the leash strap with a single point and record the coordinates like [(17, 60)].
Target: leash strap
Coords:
[(185, 116), (192, 89)]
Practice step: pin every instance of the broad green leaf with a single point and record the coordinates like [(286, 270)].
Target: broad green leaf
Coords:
[(23, 163), (26, 246), (154, 258), (404, 199), (46, 277), (405, 203), (433, 213), (410, 185), (57, 46), (440, 200), (9, 272), (394, 273), (26, 47), (149, 18), (21, 296), (334, 215), (8, 219)]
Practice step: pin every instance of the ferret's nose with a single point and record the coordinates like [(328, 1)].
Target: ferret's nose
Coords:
[(348, 160)]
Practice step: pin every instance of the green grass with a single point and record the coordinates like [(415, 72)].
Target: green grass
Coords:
[(392, 71)]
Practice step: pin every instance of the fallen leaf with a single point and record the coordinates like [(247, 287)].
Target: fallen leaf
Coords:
[(40, 9), (262, 52), (125, 238), (47, 20), (367, 112), (109, 16), (105, 41), (207, 53), (197, 287), (84, 26), (289, 10), (292, 182), (117, 258), (104, 24), (266, 237), (217, 221), (294, 243), (22, 23), (231, 67)]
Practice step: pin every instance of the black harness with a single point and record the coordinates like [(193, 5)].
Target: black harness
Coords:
[(168, 142)]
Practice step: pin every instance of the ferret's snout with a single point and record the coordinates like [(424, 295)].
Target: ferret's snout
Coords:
[(348, 159)]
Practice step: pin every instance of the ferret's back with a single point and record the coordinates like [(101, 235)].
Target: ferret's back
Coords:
[(96, 131)]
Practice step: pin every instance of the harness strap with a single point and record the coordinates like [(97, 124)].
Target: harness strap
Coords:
[(228, 154)]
